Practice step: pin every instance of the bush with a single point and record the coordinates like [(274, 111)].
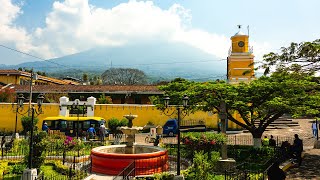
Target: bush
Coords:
[(202, 166), (26, 123), (39, 146), (4, 168), (18, 168), (201, 141), (114, 123), (163, 176)]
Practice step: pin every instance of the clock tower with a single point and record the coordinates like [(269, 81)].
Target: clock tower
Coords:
[(240, 59)]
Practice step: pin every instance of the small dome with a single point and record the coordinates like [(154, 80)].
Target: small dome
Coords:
[(239, 33)]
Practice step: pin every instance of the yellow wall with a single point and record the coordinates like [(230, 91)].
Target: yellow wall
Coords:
[(244, 62), (145, 114), (236, 39), (9, 79)]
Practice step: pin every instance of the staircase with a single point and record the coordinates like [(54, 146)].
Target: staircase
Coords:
[(282, 122)]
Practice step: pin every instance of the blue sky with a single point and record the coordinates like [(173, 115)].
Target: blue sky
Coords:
[(49, 28)]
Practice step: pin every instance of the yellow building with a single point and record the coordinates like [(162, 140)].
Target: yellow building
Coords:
[(240, 59), (146, 114), (12, 76)]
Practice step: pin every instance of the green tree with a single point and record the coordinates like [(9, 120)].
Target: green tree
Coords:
[(7, 95), (26, 123), (304, 56), (124, 76), (263, 100), (85, 77), (103, 99)]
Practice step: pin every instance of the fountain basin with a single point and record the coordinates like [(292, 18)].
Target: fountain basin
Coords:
[(111, 160)]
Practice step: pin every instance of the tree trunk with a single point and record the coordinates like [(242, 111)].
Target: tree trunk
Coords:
[(256, 138)]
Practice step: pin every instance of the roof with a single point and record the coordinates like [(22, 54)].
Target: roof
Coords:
[(53, 118), (240, 33), (27, 74), (111, 89)]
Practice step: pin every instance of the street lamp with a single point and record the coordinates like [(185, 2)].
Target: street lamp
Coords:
[(179, 110), (76, 106), (18, 110), (34, 113)]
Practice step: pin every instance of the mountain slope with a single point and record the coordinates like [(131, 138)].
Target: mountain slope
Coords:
[(163, 60)]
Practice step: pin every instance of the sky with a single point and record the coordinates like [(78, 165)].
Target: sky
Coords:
[(55, 28)]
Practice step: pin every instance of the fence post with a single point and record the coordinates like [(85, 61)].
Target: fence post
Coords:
[(64, 156), (225, 174), (74, 162), (70, 173)]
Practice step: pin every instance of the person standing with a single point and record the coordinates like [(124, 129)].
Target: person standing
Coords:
[(265, 141), (91, 132), (297, 148), (45, 127), (314, 129), (272, 142), (102, 132)]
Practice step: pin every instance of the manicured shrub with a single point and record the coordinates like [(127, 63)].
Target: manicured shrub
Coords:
[(114, 123), (26, 123)]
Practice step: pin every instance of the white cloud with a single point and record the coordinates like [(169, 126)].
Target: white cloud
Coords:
[(75, 25), (10, 34)]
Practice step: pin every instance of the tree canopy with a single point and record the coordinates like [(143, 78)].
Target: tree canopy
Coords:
[(263, 100), (124, 76), (304, 56)]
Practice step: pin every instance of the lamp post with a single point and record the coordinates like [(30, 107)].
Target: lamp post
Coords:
[(78, 105), (34, 113), (75, 105), (18, 110), (179, 110)]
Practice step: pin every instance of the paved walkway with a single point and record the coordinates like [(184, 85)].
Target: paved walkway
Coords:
[(309, 169)]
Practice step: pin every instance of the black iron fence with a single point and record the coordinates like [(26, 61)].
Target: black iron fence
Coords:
[(72, 171)]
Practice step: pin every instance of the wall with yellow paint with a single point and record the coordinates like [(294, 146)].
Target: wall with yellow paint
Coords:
[(236, 48), (14, 79), (145, 114)]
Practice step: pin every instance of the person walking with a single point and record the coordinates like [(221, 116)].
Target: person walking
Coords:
[(102, 132), (314, 129), (297, 148)]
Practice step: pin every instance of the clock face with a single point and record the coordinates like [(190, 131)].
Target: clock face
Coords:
[(240, 43)]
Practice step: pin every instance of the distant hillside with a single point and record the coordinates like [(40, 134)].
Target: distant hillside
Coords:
[(158, 60)]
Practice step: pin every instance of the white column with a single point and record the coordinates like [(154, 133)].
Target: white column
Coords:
[(63, 108), (91, 101)]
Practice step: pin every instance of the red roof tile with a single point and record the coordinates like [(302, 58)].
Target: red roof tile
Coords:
[(112, 89)]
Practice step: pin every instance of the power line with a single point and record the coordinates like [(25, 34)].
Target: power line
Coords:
[(46, 60)]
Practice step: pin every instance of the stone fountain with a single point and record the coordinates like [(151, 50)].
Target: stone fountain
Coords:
[(113, 159), (130, 131)]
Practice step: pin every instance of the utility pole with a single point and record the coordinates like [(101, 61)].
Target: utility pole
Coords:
[(33, 76)]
